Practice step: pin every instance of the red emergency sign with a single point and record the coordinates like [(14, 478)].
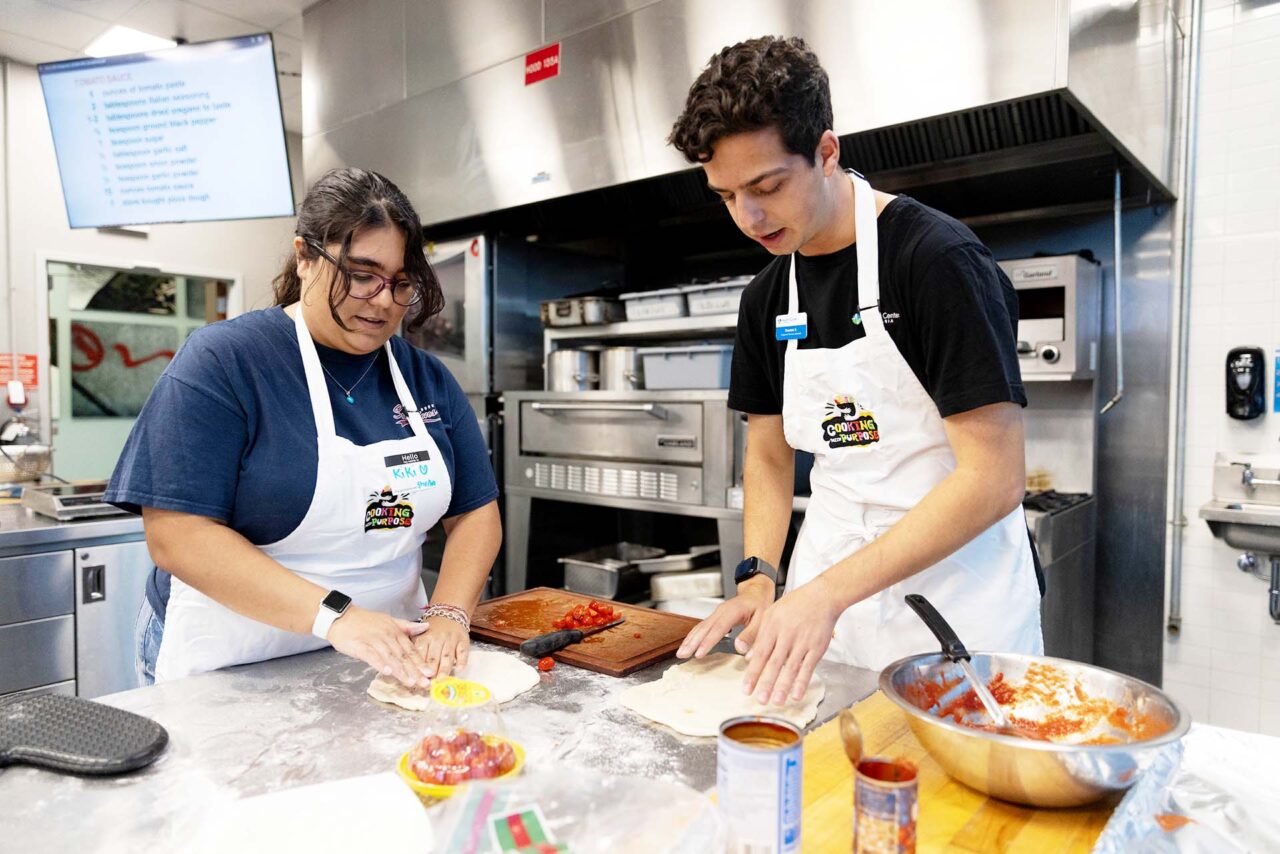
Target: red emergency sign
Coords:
[(542, 63)]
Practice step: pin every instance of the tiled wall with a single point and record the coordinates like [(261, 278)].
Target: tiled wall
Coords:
[(1225, 667)]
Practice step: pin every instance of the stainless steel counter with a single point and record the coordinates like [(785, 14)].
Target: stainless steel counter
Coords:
[(21, 529), (306, 719)]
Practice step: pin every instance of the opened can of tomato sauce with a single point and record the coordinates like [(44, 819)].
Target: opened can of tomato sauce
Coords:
[(758, 779), (884, 806)]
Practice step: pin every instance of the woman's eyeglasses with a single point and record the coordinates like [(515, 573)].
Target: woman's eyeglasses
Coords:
[(366, 284)]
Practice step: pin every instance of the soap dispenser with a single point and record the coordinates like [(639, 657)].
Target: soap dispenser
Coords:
[(1245, 374)]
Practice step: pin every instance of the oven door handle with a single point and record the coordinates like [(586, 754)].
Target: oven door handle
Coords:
[(570, 408)]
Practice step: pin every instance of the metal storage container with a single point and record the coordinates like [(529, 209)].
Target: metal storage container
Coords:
[(655, 305), (609, 571), (572, 370), (693, 366), (581, 311)]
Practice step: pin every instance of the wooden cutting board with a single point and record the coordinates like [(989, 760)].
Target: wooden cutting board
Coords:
[(952, 816), (510, 620)]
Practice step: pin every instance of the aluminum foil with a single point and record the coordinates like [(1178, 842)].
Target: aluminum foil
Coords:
[(1217, 790)]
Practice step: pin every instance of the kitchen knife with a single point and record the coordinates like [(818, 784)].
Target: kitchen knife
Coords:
[(553, 641)]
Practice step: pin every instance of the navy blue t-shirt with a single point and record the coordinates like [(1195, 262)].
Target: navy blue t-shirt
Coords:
[(228, 430)]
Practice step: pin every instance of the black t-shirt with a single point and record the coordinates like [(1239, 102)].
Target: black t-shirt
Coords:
[(948, 307)]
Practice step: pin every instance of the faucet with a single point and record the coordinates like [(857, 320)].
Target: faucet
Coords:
[(1252, 481)]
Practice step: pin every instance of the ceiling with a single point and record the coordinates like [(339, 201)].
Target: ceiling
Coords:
[(33, 31)]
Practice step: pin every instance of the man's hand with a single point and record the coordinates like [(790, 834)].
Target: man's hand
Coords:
[(793, 635), (754, 596), (382, 641), (444, 647)]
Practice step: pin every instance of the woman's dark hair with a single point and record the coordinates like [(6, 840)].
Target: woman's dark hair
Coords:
[(337, 206), (766, 82)]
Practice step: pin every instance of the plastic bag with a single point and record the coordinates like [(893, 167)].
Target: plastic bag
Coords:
[(582, 810)]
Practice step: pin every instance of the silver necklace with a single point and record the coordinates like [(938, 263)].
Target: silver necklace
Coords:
[(345, 390)]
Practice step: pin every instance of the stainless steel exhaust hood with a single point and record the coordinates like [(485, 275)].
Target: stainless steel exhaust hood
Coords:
[(925, 91)]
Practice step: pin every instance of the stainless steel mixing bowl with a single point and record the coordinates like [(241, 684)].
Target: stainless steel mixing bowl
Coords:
[(1036, 773)]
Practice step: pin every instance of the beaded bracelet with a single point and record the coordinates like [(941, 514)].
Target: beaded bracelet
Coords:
[(449, 612)]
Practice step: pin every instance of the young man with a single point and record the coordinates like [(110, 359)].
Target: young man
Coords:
[(882, 340)]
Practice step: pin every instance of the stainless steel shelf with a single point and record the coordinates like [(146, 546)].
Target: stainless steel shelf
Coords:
[(676, 327)]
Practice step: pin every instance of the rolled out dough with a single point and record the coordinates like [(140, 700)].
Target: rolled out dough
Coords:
[(696, 697), (504, 675)]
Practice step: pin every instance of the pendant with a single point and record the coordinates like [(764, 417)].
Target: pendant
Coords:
[(350, 399)]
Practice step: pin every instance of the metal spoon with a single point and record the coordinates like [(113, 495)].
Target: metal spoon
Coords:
[(955, 651)]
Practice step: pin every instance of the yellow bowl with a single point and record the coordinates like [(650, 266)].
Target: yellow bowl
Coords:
[(441, 790)]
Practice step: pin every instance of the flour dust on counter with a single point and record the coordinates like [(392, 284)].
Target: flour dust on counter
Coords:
[(694, 698), (505, 676)]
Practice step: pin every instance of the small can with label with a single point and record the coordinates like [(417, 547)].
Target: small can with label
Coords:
[(758, 779), (884, 806)]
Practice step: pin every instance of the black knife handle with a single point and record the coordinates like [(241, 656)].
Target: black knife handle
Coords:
[(551, 642), (952, 648)]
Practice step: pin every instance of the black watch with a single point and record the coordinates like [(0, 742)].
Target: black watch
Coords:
[(333, 606), (336, 602), (752, 567)]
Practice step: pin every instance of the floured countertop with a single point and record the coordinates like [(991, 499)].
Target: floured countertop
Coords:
[(306, 719)]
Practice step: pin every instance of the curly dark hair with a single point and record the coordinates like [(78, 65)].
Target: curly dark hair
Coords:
[(765, 82), (339, 204)]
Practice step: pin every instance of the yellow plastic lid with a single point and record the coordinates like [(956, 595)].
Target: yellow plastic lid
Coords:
[(459, 693)]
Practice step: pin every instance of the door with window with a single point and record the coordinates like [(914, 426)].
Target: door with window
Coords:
[(112, 332)]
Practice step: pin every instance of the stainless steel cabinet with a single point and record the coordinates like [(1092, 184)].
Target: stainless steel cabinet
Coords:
[(110, 583), (37, 653), (37, 629), (33, 587)]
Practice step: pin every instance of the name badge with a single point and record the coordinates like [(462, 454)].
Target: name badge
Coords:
[(409, 472), (791, 327)]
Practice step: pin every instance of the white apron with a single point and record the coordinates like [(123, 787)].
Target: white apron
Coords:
[(362, 535), (879, 447)]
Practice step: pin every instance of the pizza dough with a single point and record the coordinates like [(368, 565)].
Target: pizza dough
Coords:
[(504, 675), (696, 697)]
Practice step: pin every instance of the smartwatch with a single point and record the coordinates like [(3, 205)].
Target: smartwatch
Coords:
[(335, 604), (752, 567)]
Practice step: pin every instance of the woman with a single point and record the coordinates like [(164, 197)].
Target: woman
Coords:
[(290, 461)]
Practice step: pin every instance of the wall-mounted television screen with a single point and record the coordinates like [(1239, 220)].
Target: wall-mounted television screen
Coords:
[(186, 134)]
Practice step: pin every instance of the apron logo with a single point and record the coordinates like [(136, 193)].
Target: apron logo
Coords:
[(849, 425), (430, 414), (387, 511)]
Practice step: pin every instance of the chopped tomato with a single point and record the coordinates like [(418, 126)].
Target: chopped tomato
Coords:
[(588, 616), (546, 664)]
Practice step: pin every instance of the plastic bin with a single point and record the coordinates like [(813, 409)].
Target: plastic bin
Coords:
[(716, 297), (655, 305), (694, 366)]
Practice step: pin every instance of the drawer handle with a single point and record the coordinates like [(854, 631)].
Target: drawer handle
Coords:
[(94, 581), (568, 408)]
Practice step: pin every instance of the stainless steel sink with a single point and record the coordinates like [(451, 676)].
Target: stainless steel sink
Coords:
[(1244, 525), (1245, 514)]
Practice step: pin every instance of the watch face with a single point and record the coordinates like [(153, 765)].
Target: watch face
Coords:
[(336, 601), (746, 569)]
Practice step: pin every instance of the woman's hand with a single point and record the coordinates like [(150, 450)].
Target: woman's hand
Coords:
[(444, 647), (383, 642)]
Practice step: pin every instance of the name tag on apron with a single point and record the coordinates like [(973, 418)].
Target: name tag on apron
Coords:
[(791, 327), (409, 472)]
